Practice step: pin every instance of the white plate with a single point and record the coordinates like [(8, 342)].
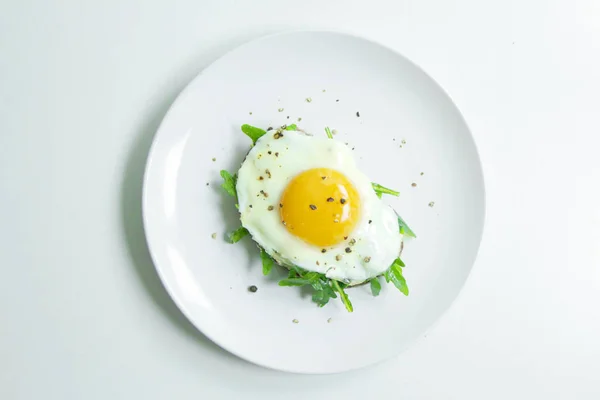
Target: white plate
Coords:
[(407, 125)]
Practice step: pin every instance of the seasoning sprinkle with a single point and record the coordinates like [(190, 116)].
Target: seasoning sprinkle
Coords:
[(323, 177), (250, 206), (260, 178), (269, 152), (334, 132), (422, 173), (329, 199), (206, 183), (288, 117), (338, 257), (280, 109), (367, 259), (280, 205), (352, 242), (295, 321), (323, 250), (345, 237), (278, 135), (336, 220), (308, 100), (299, 119), (337, 100), (313, 207), (318, 263), (370, 221), (343, 201), (268, 173), (214, 235), (403, 141), (214, 159), (348, 250), (277, 154), (269, 128), (250, 113), (253, 289), (264, 193), (431, 204), (357, 114), (270, 208), (413, 184)]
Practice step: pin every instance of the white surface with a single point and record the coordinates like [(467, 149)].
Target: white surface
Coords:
[(83, 88), (398, 103)]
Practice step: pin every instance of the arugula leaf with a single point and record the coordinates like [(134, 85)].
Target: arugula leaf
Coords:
[(319, 282), (394, 275), (296, 271), (398, 262), (383, 190), (238, 234), (294, 282), (229, 182), (328, 289), (375, 286), (338, 288), (322, 296), (404, 228), (292, 274), (291, 127), (253, 132), (300, 279), (267, 262), (328, 132), (323, 291)]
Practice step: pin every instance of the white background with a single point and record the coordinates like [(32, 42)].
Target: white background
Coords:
[(83, 86)]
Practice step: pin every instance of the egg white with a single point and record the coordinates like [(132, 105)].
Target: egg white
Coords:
[(377, 236)]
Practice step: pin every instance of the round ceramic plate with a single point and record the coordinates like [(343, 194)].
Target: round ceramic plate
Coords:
[(406, 134)]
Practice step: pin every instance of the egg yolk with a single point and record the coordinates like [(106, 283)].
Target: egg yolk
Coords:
[(320, 206)]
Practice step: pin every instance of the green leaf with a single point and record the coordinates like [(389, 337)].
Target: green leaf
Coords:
[(297, 271), (328, 289), (238, 234), (321, 285), (375, 286), (322, 296), (328, 132), (293, 274), (394, 275), (294, 282), (379, 190), (253, 132), (267, 262), (338, 288), (398, 263), (291, 127), (404, 228), (229, 182)]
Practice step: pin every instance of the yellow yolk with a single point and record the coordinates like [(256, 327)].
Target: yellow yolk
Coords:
[(320, 206)]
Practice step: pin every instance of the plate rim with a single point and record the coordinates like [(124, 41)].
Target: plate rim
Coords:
[(150, 161)]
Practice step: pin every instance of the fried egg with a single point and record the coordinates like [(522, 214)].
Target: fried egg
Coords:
[(304, 201)]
